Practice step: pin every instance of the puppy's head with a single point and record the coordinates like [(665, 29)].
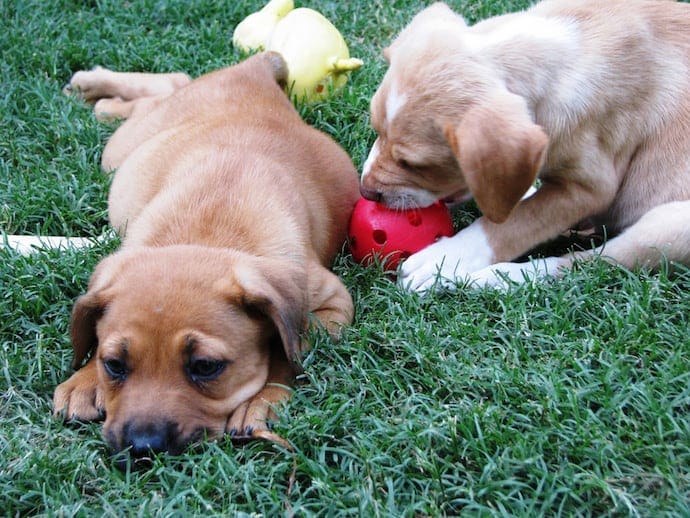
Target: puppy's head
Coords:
[(448, 128), (182, 336)]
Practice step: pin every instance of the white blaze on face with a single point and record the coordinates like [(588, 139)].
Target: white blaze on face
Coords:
[(373, 154), (394, 102)]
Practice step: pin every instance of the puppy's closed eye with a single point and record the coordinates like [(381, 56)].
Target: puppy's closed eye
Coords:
[(401, 158), (405, 164)]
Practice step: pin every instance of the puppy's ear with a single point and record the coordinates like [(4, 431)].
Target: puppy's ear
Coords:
[(87, 310), (276, 289), (278, 67), (500, 151), (265, 64)]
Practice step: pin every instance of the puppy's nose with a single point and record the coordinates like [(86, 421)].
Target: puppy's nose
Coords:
[(370, 194), (144, 440)]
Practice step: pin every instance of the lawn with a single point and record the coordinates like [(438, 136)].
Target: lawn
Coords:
[(566, 398)]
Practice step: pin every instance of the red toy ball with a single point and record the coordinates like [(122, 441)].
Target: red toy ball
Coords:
[(392, 234)]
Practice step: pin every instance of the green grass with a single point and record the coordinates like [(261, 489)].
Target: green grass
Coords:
[(569, 398)]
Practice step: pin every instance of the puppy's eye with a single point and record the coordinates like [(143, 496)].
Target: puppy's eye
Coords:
[(205, 369), (404, 164), (115, 368)]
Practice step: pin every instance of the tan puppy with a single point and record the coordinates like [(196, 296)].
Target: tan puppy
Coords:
[(231, 208), (591, 97)]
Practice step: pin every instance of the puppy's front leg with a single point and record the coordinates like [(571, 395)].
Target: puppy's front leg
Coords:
[(79, 397), (251, 418), (329, 300), (556, 207), (448, 260)]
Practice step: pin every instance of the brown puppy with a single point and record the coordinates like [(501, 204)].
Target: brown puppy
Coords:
[(231, 208), (591, 97)]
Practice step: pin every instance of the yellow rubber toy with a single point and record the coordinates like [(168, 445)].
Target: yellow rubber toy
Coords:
[(252, 33), (315, 52)]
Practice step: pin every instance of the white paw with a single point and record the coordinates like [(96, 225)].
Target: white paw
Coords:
[(447, 262), (502, 275)]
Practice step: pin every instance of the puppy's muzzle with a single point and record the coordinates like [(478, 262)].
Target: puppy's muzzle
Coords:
[(370, 194)]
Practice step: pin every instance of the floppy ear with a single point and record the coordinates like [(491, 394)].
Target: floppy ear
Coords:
[(85, 314), (266, 66), (500, 151), (276, 289), (87, 310), (277, 65)]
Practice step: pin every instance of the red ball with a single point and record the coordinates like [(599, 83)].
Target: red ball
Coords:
[(393, 234)]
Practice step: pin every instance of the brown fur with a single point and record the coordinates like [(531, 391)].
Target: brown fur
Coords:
[(231, 209), (592, 98)]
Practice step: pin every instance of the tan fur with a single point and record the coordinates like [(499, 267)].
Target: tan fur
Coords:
[(231, 209), (607, 82)]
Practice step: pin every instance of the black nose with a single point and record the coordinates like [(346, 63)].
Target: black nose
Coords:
[(370, 194), (146, 439)]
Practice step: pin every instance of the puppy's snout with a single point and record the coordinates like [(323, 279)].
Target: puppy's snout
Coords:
[(370, 194), (144, 440)]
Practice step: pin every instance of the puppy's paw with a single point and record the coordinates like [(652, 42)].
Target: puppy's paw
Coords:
[(238, 429), (427, 277), (89, 85), (252, 418), (79, 398), (111, 109), (502, 275), (447, 262)]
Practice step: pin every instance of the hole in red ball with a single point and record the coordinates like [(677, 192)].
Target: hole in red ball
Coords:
[(414, 217), (380, 236)]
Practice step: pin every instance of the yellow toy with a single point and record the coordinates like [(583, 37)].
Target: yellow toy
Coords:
[(315, 52), (253, 32)]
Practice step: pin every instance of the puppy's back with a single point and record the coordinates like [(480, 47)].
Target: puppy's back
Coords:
[(232, 162)]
